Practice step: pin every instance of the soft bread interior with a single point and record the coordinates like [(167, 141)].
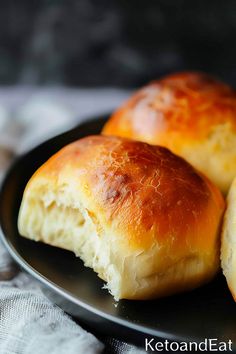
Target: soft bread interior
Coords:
[(71, 228), (61, 219), (228, 244)]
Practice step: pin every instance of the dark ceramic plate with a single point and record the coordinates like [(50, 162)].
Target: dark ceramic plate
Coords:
[(208, 312)]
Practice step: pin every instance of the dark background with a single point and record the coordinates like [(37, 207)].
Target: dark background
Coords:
[(116, 43)]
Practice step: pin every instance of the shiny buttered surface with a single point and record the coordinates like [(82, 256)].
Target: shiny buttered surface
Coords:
[(192, 114), (144, 219)]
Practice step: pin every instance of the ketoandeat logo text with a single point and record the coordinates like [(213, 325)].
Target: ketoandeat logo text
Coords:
[(210, 344)]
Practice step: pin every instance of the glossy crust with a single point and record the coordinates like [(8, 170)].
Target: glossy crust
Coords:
[(158, 218), (190, 113)]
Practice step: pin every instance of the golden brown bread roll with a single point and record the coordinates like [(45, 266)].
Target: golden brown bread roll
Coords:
[(228, 243), (137, 214), (192, 114)]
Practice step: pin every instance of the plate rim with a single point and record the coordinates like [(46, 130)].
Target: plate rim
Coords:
[(18, 258)]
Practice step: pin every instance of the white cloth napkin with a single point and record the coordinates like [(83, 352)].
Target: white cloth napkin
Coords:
[(29, 322)]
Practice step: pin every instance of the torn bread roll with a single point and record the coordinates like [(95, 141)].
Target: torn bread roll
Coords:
[(192, 114), (144, 219), (228, 243)]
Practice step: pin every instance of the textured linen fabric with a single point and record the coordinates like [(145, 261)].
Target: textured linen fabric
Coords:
[(29, 322)]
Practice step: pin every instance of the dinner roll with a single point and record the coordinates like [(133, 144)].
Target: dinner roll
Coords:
[(141, 217), (190, 113), (228, 244)]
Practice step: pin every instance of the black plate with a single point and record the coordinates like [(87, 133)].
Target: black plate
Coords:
[(208, 312)]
